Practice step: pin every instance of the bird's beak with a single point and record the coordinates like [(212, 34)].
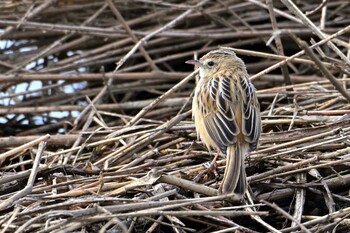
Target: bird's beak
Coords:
[(195, 63)]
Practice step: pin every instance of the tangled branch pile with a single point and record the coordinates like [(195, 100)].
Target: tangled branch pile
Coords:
[(96, 129)]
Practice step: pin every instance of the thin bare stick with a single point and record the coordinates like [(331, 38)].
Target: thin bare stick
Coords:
[(24, 147), (303, 45), (28, 188), (279, 64), (131, 34), (285, 214), (292, 7), (161, 98), (164, 28)]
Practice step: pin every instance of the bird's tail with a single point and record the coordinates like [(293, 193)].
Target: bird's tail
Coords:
[(234, 180)]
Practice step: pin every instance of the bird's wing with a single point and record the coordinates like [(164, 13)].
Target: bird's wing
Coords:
[(251, 121), (215, 103), (229, 106)]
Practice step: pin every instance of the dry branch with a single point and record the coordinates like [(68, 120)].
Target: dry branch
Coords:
[(96, 131)]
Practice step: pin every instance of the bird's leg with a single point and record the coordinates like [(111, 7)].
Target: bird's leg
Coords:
[(212, 166), (210, 169)]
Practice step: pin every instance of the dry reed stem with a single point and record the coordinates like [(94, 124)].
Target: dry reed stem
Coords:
[(102, 87)]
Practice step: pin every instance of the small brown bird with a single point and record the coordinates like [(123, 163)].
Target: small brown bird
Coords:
[(227, 113)]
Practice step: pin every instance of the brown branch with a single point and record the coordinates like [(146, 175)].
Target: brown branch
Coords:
[(9, 202), (131, 34), (303, 45)]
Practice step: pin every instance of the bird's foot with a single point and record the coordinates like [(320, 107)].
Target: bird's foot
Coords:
[(210, 172)]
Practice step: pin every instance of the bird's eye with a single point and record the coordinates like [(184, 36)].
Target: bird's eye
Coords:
[(210, 63)]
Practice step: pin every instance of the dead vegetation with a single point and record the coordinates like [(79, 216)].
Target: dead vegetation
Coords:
[(96, 129)]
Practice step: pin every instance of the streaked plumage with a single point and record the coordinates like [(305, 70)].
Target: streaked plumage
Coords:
[(227, 113)]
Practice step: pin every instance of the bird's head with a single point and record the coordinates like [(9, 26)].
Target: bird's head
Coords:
[(223, 58)]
